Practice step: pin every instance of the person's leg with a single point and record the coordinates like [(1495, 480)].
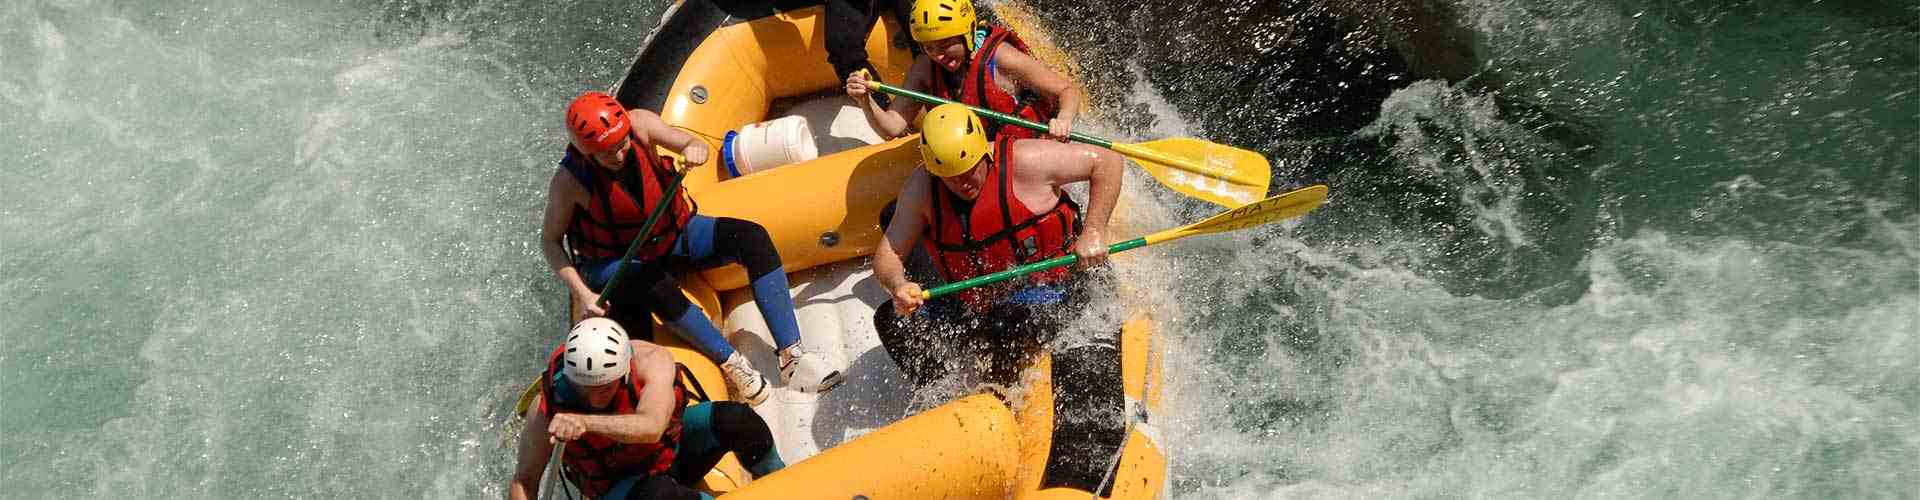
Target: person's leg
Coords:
[(652, 488), (848, 23), (714, 241), (665, 300), (921, 344), (698, 449), (902, 12), (919, 265), (629, 305), (710, 430), (1020, 328), (744, 433)]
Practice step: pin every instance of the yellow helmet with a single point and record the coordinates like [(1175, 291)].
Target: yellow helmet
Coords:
[(952, 140), (938, 19)]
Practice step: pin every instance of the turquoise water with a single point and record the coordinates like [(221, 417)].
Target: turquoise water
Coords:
[(1648, 249)]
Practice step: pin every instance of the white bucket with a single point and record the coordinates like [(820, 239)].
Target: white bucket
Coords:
[(763, 146)]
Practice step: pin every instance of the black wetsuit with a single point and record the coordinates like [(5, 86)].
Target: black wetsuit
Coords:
[(848, 23)]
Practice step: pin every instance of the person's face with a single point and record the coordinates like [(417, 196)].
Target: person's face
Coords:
[(967, 185), (949, 52), (600, 395), (613, 160)]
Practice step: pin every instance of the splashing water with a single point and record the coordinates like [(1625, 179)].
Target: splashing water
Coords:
[(1638, 249)]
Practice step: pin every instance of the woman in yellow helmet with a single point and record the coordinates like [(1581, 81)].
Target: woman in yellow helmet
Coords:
[(987, 67)]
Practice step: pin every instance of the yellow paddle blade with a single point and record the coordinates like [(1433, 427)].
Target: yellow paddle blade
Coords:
[(1222, 175), (526, 397), (1292, 204)]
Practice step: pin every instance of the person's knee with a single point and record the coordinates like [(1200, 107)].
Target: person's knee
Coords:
[(846, 51), (659, 488), (884, 318), (745, 231), (752, 244), (736, 423), (743, 432), (667, 300)]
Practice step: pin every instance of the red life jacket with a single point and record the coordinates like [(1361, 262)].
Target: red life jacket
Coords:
[(613, 216), (978, 88), (996, 231), (595, 463)]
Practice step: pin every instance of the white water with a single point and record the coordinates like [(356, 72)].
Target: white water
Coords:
[(256, 251)]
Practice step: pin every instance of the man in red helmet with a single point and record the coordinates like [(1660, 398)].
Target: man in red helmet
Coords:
[(608, 182)]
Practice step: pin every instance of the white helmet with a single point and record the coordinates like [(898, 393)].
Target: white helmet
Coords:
[(597, 352)]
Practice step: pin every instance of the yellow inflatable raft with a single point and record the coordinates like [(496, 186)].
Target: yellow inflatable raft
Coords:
[(714, 67)]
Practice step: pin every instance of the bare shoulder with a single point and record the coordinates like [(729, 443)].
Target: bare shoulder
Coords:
[(1008, 54), (917, 190), (917, 180), (1053, 160), (1037, 154), (644, 351), (564, 187), (652, 358), (643, 115), (1020, 65)]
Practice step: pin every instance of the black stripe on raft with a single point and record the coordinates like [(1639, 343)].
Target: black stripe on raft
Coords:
[(1089, 422), (650, 78)]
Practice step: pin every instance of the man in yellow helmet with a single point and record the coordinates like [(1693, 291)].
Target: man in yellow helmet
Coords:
[(980, 207), (987, 68), (983, 206)]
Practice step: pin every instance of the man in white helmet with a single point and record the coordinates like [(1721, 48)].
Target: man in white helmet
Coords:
[(620, 407)]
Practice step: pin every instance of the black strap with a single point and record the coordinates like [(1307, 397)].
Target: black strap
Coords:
[(983, 71), (692, 384)]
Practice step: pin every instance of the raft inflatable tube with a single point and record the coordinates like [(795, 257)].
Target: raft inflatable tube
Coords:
[(714, 67)]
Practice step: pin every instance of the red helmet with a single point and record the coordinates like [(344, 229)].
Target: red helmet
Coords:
[(596, 123)]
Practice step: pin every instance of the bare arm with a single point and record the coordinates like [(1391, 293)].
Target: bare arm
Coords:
[(563, 194), (535, 450), (895, 120), (649, 418), (657, 131), (1064, 164), (1030, 73), (909, 221)]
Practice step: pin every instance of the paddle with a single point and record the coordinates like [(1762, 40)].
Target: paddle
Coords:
[(673, 189), (553, 471), (1285, 206), (1222, 175)]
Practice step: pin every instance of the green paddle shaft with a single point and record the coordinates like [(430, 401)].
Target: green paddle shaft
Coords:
[(1064, 260), (988, 113), (1285, 206), (673, 189), (553, 471)]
